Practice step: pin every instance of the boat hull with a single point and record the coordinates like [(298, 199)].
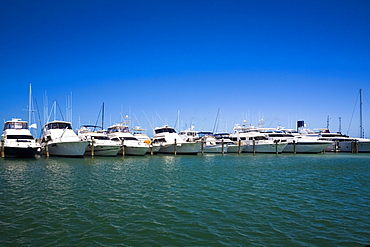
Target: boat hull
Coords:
[(20, 152), (103, 150), (306, 147), (348, 146), (264, 148), (69, 149), (137, 151), (215, 148), (183, 148), (234, 148)]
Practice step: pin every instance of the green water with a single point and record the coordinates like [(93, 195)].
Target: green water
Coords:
[(165, 200)]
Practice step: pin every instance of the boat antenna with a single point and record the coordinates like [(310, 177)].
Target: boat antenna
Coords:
[(340, 124), (327, 122)]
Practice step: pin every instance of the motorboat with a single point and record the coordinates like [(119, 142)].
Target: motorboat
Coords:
[(232, 147), (131, 145), (59, 139), (210, 144), (99, 142), (296, 143), (142, 136), (17, 140), (171, 142), (254, 141), (340, 142), (190, 135)]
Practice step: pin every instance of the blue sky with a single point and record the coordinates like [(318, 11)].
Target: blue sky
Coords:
[(280, 61)]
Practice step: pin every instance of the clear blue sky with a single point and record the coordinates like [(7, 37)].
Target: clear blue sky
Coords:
[(282, 61)]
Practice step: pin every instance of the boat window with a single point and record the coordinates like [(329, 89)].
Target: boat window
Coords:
[(59, 126), (160, 140), (13, 125), (164, 130), (101, 138), (258, 138), (128, 138), (28, 137)]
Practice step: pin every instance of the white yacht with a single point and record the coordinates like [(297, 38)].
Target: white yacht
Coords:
[(58, 139), (131, 145), (17, 140), (141, 135), (232, 147), (171, 142), (211, 144), (297, 143), (341, 142), (189, 135), (99, 142), (256, 142)]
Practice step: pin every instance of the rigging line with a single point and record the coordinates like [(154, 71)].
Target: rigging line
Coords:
[(353, 112), (136, 119), (216, 121), (159, 117), (60, 111), (38, 113), (148, 120), (96, 123)]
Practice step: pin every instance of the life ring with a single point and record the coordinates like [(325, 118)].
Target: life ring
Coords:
[(147, 142)]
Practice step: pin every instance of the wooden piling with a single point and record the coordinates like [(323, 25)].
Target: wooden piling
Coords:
[(2, 147), (92, 146)]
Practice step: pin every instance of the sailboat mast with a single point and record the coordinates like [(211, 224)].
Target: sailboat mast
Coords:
[(361, 128), (102, 118), (30, 104)]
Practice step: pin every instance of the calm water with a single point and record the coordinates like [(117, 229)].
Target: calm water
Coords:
[(210, 200)]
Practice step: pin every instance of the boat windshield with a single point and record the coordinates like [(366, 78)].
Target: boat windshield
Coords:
[(13, 125), (59, 126), (164, 130), (123, 129)]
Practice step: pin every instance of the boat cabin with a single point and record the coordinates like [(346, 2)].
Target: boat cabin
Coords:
[(16, 124), (58, 125)]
